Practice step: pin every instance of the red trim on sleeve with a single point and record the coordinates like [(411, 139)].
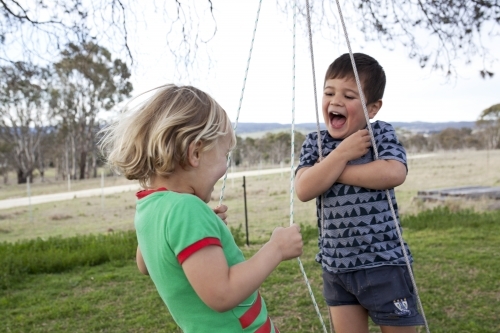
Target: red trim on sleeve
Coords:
[(191, 249), (144, 193), (266, 328), (251, 314)]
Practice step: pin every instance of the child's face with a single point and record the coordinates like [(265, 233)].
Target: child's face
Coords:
[(213, 166), (342, 108)]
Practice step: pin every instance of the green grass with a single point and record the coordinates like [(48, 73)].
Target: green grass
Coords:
[(456, 269), (63, 267), (58, 254)]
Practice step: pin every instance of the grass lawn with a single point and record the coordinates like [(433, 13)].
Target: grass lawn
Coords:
[(456, 252), (456, 268)]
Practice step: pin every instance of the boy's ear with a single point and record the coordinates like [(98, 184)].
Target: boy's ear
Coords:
[(373, 108), (194, 153)]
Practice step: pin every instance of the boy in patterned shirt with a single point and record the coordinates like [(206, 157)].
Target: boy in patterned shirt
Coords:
[(364, 269)]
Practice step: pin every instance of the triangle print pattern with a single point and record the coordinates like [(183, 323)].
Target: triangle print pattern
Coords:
[(359, 230)]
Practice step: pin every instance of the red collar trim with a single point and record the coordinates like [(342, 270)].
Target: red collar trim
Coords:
[(143, 193)]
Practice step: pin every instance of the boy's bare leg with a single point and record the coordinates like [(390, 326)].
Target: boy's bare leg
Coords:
[(349, 319), (398, 329)]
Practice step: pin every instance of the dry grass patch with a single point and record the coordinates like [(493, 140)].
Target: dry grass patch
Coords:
[(268, 199)]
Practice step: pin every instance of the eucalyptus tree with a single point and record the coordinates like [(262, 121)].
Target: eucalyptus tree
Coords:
[(89, 81), (23, 106), (489, 124)]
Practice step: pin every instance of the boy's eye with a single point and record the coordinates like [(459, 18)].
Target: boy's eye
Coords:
[(328, 94), (349, 97)]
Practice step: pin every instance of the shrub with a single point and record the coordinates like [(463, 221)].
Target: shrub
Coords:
[(238, 235)]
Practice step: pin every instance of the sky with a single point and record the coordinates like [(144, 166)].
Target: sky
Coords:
[(412, 93)]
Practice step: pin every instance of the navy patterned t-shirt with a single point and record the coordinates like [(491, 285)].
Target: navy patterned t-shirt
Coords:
[(359, 231)]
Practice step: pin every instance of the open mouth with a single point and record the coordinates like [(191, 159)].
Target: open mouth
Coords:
[(337, 120)]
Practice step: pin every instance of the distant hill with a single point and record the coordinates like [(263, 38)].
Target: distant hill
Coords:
[(424, 127), (259, 129)]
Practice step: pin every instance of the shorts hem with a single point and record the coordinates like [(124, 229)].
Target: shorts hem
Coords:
[(418, 321), (335, 303)]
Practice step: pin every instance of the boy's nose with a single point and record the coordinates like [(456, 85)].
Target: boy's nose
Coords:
[(336, 100)]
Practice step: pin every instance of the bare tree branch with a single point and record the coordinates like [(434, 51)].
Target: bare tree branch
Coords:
[(439, 34)]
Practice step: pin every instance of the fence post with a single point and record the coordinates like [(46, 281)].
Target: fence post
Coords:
[(28, 179), (245, 201), (232, 178), (102, 189)]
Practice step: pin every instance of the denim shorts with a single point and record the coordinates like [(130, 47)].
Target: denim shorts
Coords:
[(386, 292)]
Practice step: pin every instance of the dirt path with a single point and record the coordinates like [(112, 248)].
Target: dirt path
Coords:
[(39, 199)]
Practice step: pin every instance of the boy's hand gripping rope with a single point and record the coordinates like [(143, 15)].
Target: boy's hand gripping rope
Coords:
[(363, 102), (292, 144)]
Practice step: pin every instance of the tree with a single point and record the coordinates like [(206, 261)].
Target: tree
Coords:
[(489, 124), (414, 143), (23, 102), (453, 138), (89, 81), (42, 28), (5, 160), (272, 147), (435, 33)]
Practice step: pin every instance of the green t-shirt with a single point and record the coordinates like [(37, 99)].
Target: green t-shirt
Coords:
[(170, 227)]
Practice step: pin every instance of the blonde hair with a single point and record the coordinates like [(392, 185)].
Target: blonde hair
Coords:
[(153, 138)]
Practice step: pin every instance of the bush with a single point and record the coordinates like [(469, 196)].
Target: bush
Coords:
[(238, 235), (309, 232)]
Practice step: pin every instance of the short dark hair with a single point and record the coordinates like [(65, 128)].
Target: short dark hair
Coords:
[(371, 74)]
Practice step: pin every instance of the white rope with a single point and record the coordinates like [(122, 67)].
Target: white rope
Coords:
[(387, 193), (241, 101), (292, 167), (320, 150)]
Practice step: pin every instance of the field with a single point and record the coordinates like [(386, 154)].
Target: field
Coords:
[(268, 199), (456, 254)]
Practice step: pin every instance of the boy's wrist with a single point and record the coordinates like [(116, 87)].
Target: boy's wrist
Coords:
[(338, 156)]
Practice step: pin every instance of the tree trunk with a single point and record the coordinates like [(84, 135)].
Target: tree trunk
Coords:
[(94, 165), (22, 177), (83, 163), (72, 175), (57, 168)]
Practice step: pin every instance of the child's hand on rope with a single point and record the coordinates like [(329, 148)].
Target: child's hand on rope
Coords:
[(355, 145), (221, 212), (288, 240)]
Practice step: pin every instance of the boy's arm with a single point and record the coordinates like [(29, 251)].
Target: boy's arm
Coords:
[(310, 182), (385, 173), (376, 175), (313, 181), (221, 287)]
